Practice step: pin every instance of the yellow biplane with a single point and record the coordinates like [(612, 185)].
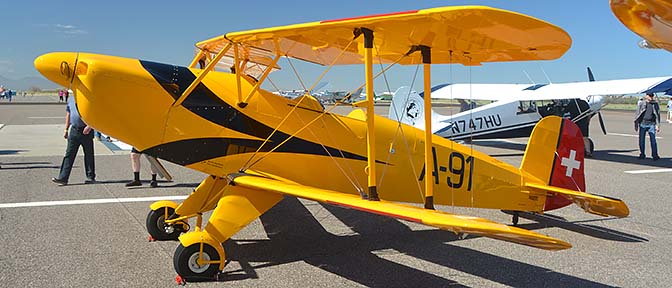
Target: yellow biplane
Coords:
[(257, 147), (650, 19)]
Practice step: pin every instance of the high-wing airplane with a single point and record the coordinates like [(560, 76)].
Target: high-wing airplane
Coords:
[(516, 108), (650, 19), (257, 147)]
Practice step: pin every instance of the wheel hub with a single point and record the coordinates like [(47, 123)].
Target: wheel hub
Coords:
[(193, 263), (169, 229)]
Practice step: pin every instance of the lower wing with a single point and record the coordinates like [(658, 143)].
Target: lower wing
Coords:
[(442, 220)]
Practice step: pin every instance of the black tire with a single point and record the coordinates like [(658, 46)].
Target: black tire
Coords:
[(156, 227), (515, 218), (591, 148), (185, 265)]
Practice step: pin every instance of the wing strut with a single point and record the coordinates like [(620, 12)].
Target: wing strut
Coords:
[(200, 77), (427, 64), (370, 94)]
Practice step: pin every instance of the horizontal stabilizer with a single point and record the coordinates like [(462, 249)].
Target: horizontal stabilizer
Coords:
[(594, 204), (442, 220)]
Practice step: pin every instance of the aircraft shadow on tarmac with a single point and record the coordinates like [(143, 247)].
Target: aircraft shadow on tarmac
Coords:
[(550, 220), (618, 156), (295, 235), (11, 152), (145, 183), (27, 165), (162, 184)]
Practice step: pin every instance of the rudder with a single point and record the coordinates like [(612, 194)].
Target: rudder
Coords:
[(555, 156)]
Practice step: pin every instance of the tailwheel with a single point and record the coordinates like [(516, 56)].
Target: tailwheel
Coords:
[(159, 230), (192, 265), (515, 218)]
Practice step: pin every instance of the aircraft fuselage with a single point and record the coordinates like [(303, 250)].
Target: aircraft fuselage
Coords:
[(208, 131)]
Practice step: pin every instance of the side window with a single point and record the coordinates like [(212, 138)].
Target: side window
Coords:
[(526, 106)]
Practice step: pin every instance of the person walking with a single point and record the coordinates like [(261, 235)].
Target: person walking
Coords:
[(78, 134), (647, 121)]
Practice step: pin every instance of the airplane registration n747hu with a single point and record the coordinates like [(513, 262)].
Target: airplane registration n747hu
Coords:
[(257, 147)]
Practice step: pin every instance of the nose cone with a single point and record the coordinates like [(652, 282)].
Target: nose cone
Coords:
[(58, 67), (596, 102)]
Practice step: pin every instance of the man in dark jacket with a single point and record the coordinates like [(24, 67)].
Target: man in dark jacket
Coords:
[(647, 120)]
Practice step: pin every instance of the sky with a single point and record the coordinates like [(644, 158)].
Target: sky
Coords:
[(166, 31)]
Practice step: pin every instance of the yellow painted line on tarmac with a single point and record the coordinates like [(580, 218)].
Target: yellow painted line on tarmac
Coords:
[(89, 201)]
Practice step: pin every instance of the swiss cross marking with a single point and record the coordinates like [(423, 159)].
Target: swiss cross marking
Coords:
[(570, 163)]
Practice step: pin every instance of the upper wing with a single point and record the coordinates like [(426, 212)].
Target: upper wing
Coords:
[(463, 34), (650, 19), (494, 92), (608, 87), (442, 220), (553, 91)]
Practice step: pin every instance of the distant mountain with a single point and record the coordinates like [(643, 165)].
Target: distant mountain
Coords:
[(26, 82)]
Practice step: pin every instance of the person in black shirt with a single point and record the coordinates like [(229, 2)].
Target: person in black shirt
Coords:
[(647, 120)]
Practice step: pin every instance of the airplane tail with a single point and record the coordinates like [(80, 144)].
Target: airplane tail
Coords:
[(555, 157), (408, 107)]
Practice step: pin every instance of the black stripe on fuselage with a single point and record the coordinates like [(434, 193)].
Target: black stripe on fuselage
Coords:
[(189, 151), (174, 79), (205, 103)]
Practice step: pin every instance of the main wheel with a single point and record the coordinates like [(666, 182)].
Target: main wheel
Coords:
[(590, 149), (186, 265), (158, 229)]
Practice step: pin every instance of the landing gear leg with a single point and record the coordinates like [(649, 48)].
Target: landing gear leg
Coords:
[(200, 255)]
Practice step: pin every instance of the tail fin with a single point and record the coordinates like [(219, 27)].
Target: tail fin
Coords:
[(408, 107), (554, 157)]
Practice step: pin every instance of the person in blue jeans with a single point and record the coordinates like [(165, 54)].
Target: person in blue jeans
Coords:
[(78, 134), (647, 121)]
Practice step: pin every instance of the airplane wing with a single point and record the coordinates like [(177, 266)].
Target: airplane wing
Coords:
[(452, 32), (574, 90), (482, 91), (442, 220), (652, 20), (604, 88)]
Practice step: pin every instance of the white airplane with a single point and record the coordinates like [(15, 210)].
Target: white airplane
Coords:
[(517, 107)]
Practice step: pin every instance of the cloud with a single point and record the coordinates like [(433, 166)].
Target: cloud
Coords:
[(69, 29), (65, 26)]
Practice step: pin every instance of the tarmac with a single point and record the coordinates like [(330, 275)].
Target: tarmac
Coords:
[(94, 235)]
